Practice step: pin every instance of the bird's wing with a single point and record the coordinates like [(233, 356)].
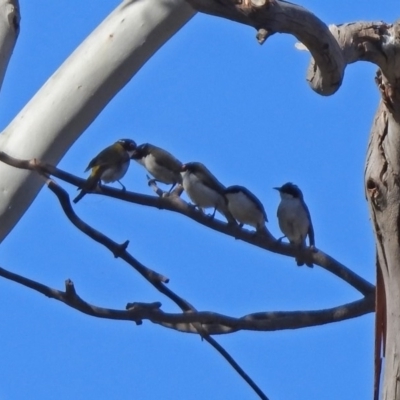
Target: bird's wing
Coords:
[(210, 180), (310, 232), (110, 155), (256, 201), (250, 195), (166, 159)]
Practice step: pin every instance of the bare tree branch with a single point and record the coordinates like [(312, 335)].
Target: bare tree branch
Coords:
[(202, 327), (79, 90), (135, 312), (258, 321), (235, 366), (120, 251), (213, 323), (332, 48), (326, 70), (70, 298), (9, 30), (176, 204), (374, 42)]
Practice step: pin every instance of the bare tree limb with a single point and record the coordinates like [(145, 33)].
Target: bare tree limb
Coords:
[(70, 298), (9, 30), (148, 274), (79, 90), (134, 313), (213, 323), (326, 70), (155, 279), (176, 204), (235, 366)]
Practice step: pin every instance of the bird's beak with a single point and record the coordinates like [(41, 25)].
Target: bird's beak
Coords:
[(277, 188)]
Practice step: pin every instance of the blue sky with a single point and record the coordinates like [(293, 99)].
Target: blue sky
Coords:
[(211, 94)]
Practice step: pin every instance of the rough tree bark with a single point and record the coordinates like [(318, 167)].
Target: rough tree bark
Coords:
[(383, 192)]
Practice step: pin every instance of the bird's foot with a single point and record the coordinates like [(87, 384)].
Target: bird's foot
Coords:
[(151, 181), (313, 248), (123, 187), (153, 184)]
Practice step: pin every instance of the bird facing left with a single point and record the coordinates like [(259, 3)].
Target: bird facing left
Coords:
[(110, 165), (160, 163)]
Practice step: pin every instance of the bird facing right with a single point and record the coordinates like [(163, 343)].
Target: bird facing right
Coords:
[(109, 165), (294, 219)]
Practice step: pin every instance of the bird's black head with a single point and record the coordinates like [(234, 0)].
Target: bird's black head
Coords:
[(140, 151), (128, 144), (192, 167), (291, 189)]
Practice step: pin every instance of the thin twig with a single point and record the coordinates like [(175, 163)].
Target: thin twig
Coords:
[(235, 366)]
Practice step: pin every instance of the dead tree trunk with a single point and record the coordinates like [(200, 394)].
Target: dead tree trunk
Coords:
[(383, 193)]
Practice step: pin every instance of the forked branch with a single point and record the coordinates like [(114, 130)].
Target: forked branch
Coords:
[(176, 204), (203, 324), (332, 48), (326, 70)]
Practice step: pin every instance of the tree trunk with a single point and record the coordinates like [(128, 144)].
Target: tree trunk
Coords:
[(9, 29), (382, 182)]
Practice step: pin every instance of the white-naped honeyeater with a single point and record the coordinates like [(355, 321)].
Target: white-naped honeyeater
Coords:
[(294, 219), (204, 189), (161, 164), (245, 207)]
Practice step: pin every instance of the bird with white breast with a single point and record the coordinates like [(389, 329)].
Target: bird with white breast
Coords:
[(295, 220)]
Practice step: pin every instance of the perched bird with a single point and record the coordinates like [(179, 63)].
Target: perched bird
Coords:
[(160, 163), (109, 165), (294, 218), (204, 189), (245, 207)]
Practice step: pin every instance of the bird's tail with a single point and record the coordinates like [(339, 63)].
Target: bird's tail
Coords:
[(80, 195), (300, 260), (89, 185)]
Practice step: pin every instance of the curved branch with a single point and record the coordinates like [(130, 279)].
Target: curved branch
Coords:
[(176, 204), (326, 70), (155, 279), (217, 324), (374, 41), (211, 323)]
